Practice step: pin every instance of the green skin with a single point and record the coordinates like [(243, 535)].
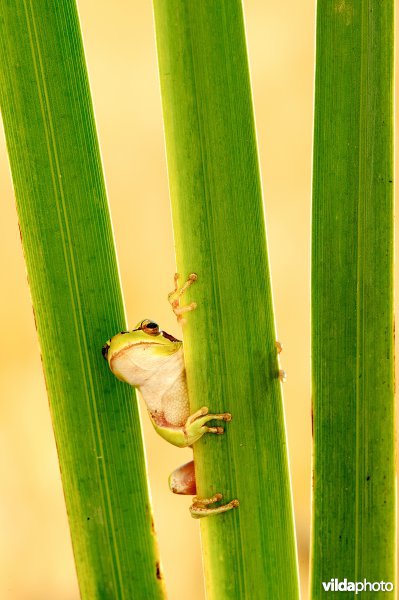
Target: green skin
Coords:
[(152, 361)]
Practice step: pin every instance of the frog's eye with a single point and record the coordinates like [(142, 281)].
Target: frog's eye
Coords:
[(150, 327)]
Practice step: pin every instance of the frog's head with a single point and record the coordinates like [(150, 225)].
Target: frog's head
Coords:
[(134, 355)]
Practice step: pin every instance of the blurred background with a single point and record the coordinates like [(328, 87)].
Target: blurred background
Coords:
[(36, 560)]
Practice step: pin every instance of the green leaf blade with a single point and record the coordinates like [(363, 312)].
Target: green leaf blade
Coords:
[(352, 296), (229, 339), (73, 275)]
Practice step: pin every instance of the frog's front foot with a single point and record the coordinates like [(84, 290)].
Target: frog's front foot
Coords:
[(282, 375), (195, 426), (174, 297), (201, 506)]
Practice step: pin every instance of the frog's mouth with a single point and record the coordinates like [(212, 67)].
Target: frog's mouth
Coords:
[(141, 344), (136, 345), (107, 346), (168, 336)]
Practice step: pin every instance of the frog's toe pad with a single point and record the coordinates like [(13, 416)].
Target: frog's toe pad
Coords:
[(206, 501), (217, 430)]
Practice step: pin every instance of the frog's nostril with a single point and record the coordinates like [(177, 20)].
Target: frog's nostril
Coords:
[(105, 349)]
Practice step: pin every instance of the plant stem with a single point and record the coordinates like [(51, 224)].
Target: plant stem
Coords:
[(352, 297), (73, 276), (229, 339)]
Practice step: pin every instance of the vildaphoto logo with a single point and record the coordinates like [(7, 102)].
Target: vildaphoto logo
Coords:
[(335, 585)]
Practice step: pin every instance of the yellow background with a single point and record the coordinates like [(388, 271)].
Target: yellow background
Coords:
[(35, 552)]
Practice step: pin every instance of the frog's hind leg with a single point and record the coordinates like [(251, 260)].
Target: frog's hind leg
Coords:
[(182, 480)]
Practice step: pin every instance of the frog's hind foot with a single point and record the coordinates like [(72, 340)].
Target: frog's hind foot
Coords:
[(176, 294), (201, 506)]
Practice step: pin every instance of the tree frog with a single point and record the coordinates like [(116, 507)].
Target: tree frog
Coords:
[(152, 361)]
